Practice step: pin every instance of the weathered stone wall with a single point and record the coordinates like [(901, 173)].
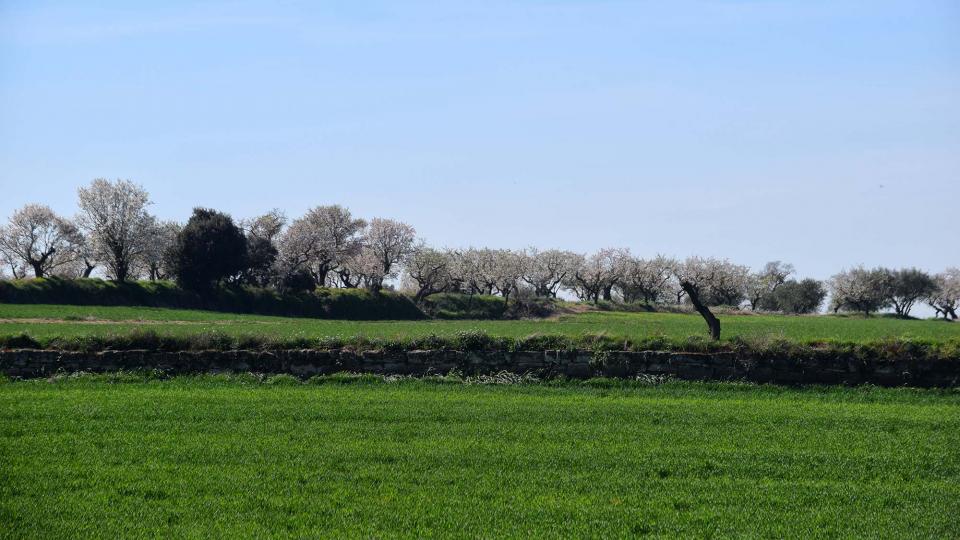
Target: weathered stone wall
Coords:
[(574, 364)]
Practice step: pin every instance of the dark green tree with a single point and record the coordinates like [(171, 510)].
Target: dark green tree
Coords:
[(796, 297), (261, 254), (909, 286), (209, 250)]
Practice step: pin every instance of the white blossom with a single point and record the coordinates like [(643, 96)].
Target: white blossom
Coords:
[(946, 299), (546, 271), (114, 215), (38, 239), (321, 241)]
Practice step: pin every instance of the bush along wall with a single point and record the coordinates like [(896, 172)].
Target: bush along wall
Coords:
[(356, 304)]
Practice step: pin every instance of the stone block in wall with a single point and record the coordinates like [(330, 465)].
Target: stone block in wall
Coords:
[(696, 370), (391, 366), (614, 364), (244, 360), (887, 373), (109, 360), (47, 360), (21, 363), (579, 366), (658, 363), (268, 362), (787, 372), (134, 360), (476, 358), (304, 363), (191, 361), (226, 360), (372, 361), (348, 360), (759, 370), (156, 360), (556, 362), (13, 359), (725, 366), (528, 361), (71, 361), (422, 357)]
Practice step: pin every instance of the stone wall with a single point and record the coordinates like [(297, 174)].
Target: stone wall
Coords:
[(575, 364)]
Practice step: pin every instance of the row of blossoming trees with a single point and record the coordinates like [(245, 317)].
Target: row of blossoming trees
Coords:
[(114, 234)]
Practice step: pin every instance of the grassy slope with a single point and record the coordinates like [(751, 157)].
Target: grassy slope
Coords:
[(626, 325), (206, 456)]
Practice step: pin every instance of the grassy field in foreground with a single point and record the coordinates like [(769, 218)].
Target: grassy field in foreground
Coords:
[(44, 322), (213, 456)]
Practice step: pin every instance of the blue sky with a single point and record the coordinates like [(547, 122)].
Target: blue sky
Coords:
[(821, 133)]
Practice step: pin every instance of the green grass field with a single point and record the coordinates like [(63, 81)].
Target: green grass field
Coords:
[(44, 322), (234, 457)]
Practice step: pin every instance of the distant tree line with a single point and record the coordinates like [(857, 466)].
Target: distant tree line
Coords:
[(114, 235)]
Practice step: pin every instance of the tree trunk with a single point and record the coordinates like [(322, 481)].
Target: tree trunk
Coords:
[(37, 268), (424, 292), (120, 269), (712, 322), (321, 275), (607, 293)]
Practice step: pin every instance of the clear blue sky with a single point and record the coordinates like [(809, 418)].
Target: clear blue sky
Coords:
[(821, 133)]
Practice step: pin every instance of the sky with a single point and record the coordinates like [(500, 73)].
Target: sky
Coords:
[(821, 133)]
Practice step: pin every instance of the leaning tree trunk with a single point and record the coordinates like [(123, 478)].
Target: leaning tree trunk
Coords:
[(712, 322)]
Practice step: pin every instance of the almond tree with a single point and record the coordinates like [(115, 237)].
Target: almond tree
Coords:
[(261, 235), (386, 245), (429, 269), (18, 269), (268, 226), (114, 216), (507, 270), (363, 269), (859, 289), (945, 300), (85, 261), (321, 241), (909, 285), (157, 258), (598, 274), (38, 238), (475, 270), (766, 281), (647, 280), (546, 271)]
